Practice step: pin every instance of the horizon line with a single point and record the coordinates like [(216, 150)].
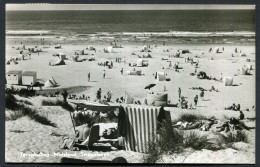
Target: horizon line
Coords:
[(134, 7)]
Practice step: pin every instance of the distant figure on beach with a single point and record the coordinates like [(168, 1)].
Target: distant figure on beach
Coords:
[(65, 95), (202, 95), (104, 74), (165, 88), (111, 64), (99, 94), (196, 100), (122, 70), (109, 96), (88, 76), (221, 78), (179, 91), (242, 115)]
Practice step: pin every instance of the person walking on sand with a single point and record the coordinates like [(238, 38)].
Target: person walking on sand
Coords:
[(104, 74), (196, 100), (122, 70), (88, 76), (65, 95)]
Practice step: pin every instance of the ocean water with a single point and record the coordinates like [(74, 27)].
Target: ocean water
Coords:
[(170, 24), (132, 21)]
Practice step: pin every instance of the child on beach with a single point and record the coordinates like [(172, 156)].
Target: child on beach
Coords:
[(104, 74), (88, 76)]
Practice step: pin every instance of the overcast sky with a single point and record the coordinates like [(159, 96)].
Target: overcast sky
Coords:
[(121, 7)]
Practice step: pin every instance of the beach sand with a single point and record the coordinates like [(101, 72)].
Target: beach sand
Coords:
[(36, 138)]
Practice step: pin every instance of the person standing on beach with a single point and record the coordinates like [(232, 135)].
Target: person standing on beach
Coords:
[(221, 78), (122, 71), (202, 95), (88, 76), (104, 74), (99, 94), (179, 91), (196, 100), (65, 95)]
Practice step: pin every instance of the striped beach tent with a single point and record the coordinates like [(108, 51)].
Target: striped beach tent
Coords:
[(139, 126)]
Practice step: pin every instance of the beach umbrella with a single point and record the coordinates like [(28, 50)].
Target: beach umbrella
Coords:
[(149, 86)]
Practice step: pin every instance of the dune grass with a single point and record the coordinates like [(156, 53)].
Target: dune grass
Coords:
[(197, 141), (20, 110), (171, 140), (58, 102), (11, 102), (191, 117), (231, 138)]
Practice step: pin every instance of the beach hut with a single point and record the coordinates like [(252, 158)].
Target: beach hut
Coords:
[(62, 56), (58, 46), (14, 77), (228, 81), (245, 70), (90, 47), (139, 72), (185, 51), (160, 76), (157, 99), (74, 58), (29, 77), (139, 63)]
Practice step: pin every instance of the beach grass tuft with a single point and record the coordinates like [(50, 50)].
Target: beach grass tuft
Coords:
[(58, 102), (20, 110), (197, 141), (191, 117)]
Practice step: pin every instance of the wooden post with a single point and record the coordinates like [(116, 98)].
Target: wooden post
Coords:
[(72, 122)]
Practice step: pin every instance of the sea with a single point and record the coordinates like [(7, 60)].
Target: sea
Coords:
[(187, 25)]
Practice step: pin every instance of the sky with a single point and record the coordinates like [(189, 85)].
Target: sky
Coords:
[(26, 7)]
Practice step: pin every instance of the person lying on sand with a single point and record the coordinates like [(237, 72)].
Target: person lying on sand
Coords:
[(234, 107), (198, 88)]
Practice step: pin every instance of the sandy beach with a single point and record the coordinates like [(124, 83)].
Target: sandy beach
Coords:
[(26, 136)]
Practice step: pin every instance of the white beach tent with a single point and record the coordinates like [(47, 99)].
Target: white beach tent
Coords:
[(139, 63), (243, 55), (160, 76), (110, 49), (49, 84), (228, 81), (250, 66), (216, 50), (245, 70)]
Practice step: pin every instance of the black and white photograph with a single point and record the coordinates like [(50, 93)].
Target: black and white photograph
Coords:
[(130, 83)]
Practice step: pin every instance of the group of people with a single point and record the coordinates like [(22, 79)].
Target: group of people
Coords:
[(107, 97), (106, 63), (234, 107)]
